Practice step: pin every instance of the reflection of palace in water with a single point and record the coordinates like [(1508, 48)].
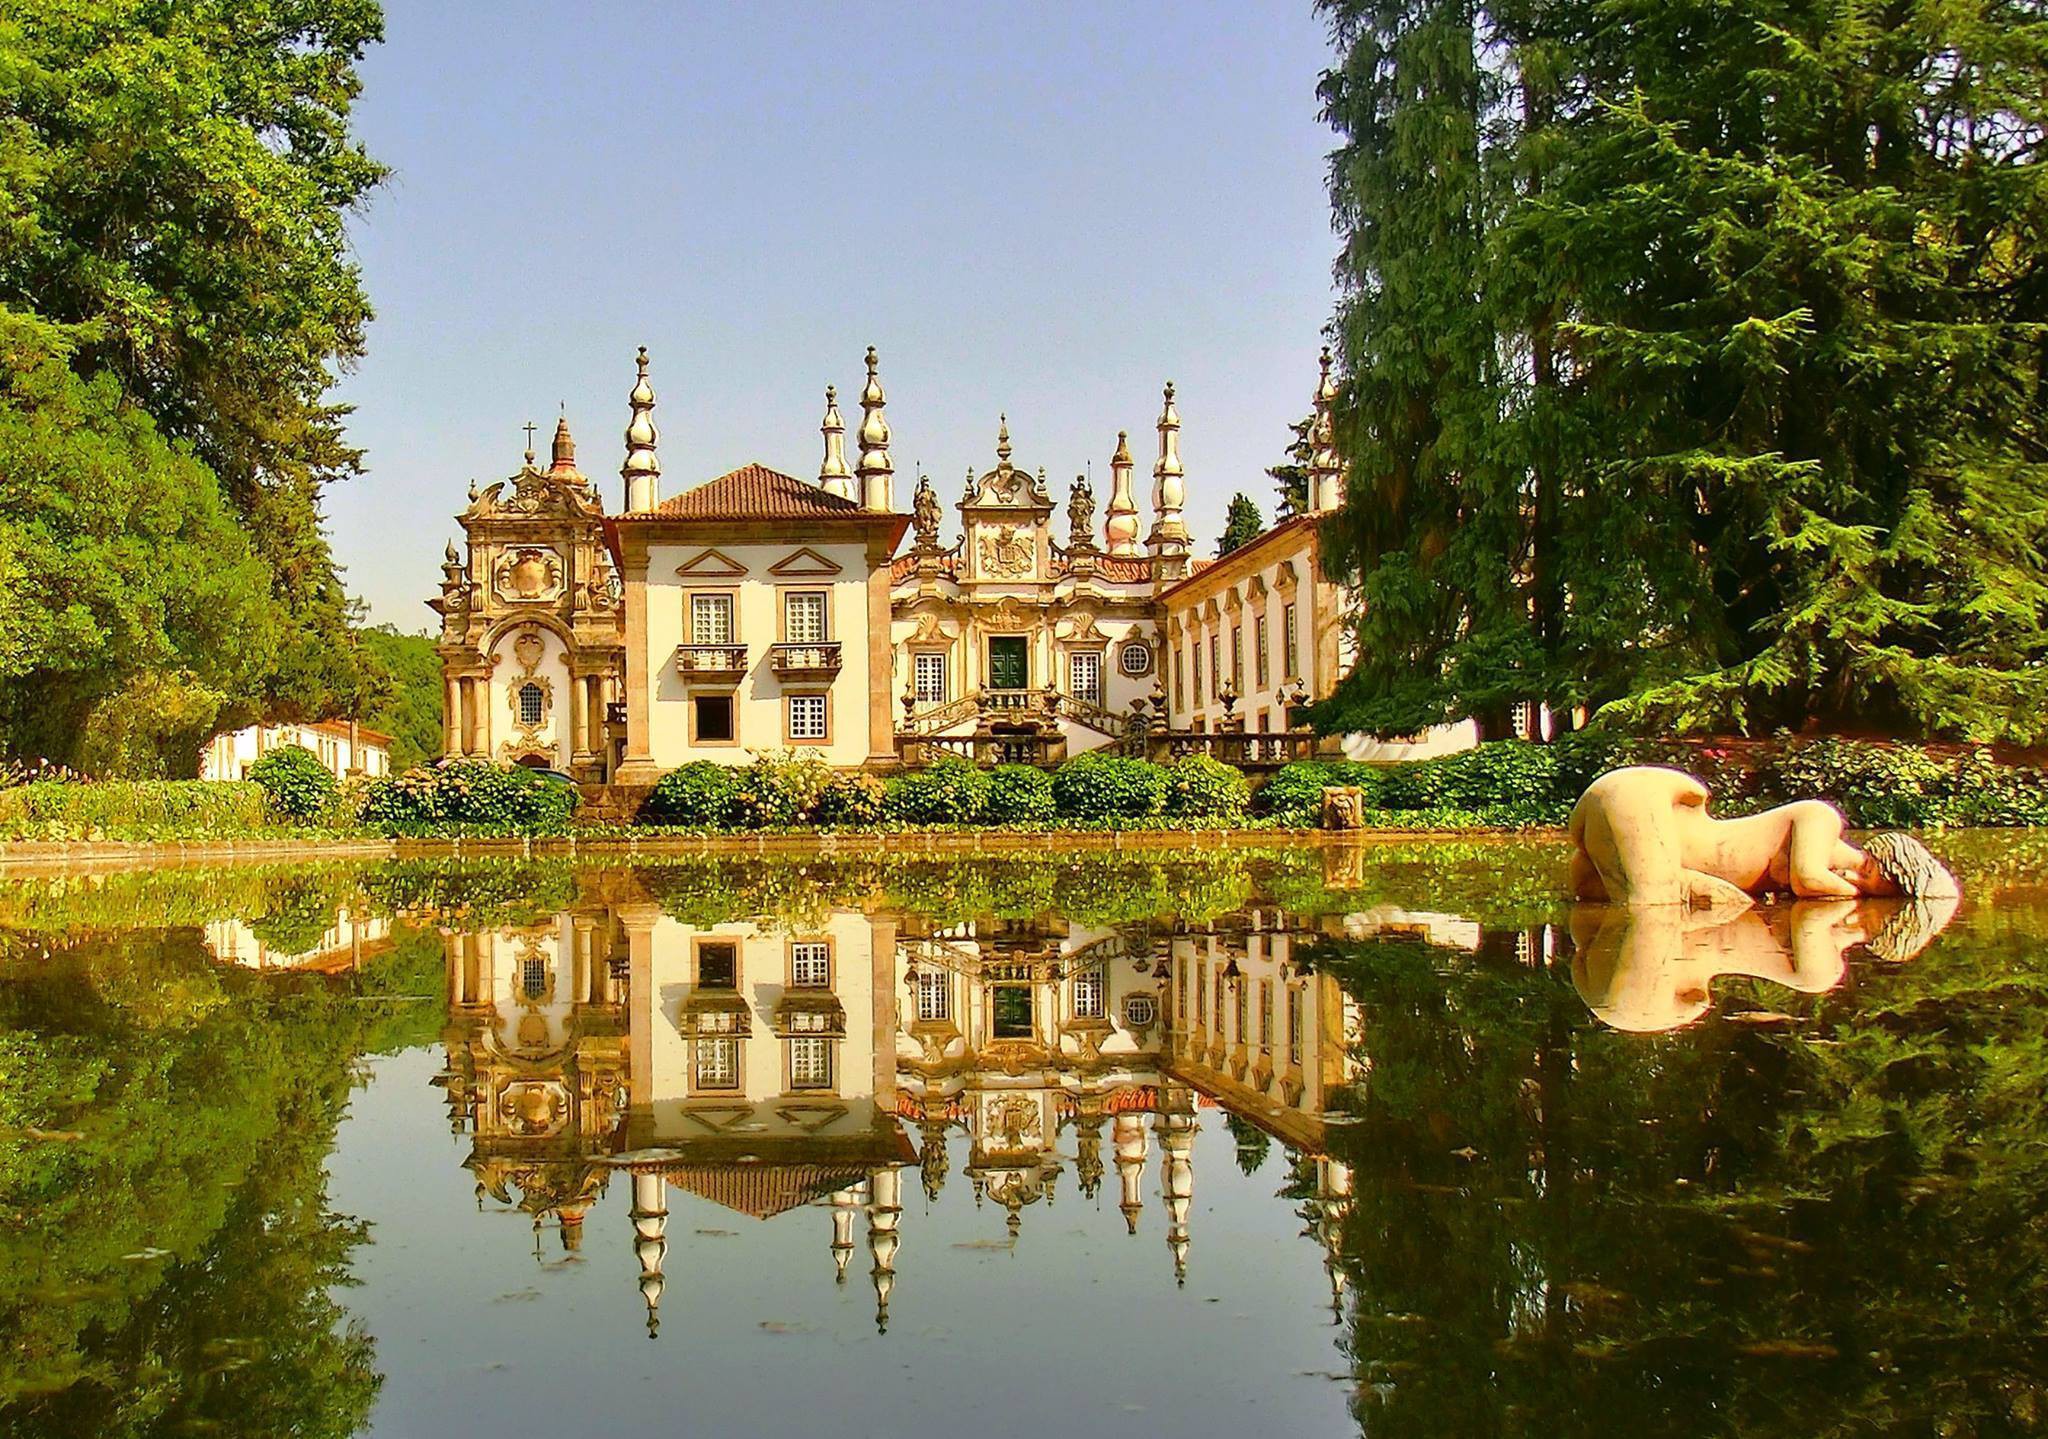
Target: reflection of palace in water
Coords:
[(824, 1064), (353, 936)]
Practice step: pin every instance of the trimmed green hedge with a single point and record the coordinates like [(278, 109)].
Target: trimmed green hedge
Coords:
[(1102, 786), (300, 787), (1516, 784), (135, 809), (470, 797)]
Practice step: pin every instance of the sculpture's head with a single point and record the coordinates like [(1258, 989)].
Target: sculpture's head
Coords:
[(1906, 867)]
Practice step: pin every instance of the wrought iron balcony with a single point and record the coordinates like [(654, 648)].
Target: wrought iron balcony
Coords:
[(811, 660), (711, 662)]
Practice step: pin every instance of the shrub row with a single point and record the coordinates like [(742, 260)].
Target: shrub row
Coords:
[(140, 809), (783, 790), (1515, 783), (470, 795)]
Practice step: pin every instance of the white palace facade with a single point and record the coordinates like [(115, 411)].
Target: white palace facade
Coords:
[(757, 611)]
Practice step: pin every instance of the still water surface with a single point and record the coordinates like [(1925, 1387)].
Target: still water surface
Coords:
[(1386, 1140)]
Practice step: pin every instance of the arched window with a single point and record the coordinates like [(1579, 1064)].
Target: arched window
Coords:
[(533, 704)]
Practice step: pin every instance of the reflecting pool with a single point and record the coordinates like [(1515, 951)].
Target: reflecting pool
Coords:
[(1382, 1139)]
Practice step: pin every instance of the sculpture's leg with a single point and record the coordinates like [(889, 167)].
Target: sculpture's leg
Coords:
[(1584, 878)]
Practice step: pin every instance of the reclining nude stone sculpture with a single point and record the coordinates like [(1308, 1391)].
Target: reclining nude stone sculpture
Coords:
[(1642, 836)]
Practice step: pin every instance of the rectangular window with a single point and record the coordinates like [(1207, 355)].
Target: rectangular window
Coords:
[(934, 995), (1195, 650), (1084, 669), (1088, 994), (1219, 1003), (810, 1063), (1259, 666), (1238, 1028), (928, 670), (807, 717), (718, 1064), (1288, 656), (710, 619), (1265, 1014), (1216, 663), (718, 965), (1180, 666), (810, 964), (1180, 991), (534, 977), (1201, 996), (803, 617), (1237, 658), (711, 719), (1011, 1005), (1294, 1026)]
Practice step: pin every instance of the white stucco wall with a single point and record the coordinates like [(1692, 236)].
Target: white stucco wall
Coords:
[(229, 755), (508, 676), (760, 693)]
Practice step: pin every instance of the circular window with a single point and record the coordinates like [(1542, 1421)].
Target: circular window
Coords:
[(1139, 1010), (1136, 658)]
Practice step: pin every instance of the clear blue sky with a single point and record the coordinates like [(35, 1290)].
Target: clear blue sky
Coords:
[(1046, 209)]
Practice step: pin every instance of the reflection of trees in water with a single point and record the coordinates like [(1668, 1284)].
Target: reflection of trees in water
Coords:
[(1823, 1230), (170, 1267)]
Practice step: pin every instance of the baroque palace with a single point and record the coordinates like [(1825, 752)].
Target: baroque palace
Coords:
[(757, 610)]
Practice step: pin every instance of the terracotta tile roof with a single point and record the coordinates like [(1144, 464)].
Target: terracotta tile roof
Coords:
[(753, 491), (764, 1190)]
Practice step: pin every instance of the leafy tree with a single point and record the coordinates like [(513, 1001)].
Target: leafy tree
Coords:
[(175, 186), (1241, 525), (1290, 477), (409, 709), (134, 608), (1693, 358)]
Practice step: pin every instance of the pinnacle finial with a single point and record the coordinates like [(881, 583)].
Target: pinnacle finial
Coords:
[(875, 466), (1003, 450), (1325, 470), (833, 476), (451, 557), (642, 469)]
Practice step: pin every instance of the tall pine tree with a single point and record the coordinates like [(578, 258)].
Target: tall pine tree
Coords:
[(1758, 440)]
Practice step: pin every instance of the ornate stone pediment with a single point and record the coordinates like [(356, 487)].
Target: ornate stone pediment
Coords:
[(711, 565), (929, 630), (802, 563), (1010, 615), (1081, 629), (528, 574)]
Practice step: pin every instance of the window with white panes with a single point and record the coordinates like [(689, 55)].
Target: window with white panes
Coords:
[(533, 704), (810, 1063), (710, 619), (807, 717), (1216, 663), (810, 964), (1259, 666), (928, 674), (1084, 670), (718, 1063), (1290, 656), (803, 617), (1265, 1014), (934, 995), (1294, 1026), (1088, 994)]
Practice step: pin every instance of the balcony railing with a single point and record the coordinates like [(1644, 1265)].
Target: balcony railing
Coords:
[(711, 662), (814, 659), (1246, 749)]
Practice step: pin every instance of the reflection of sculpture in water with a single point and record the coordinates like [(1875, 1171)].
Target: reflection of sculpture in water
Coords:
[(1652, 968), (1642, 836)]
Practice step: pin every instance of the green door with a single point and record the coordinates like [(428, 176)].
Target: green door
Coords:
[(1009, 664)]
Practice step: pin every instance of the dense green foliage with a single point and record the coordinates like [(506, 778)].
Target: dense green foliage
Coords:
[(698, 795), (1019, 794), (1108, 787), (948, 791), (133, 608), (1516, 784), (1200, 787), (299, 786), (135, 809), (408, 708), (1290, 476), (853, 801), (1692, 359), (1241, 525), (174, 184), (469, 796)]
